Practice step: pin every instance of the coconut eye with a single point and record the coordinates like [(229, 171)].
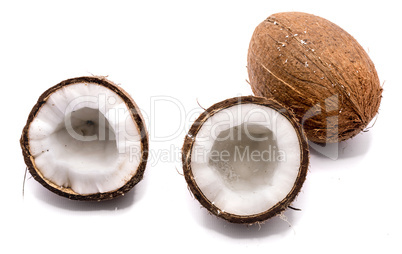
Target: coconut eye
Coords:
[(248, 159), (85, 139)]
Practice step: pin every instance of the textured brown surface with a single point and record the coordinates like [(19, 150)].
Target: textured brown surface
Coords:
[(318, 70), (68, 192), (188, 146)]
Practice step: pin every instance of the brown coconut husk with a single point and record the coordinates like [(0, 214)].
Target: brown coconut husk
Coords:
[(68, 192), (197, 192), (318, 70)]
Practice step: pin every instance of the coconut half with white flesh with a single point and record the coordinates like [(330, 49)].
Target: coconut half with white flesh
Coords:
[(85, 139), (245, 159)]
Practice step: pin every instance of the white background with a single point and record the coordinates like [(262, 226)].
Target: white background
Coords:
[(187, 50)]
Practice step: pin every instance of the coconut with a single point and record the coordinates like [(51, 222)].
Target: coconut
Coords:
[(318, 70), (85, 139), (245, 159)]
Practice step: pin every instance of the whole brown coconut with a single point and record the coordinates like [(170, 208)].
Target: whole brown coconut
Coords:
[(318, 70)]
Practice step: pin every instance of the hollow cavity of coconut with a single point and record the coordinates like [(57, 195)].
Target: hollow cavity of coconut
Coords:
[(318, 70), (85, 139), (245, 159)]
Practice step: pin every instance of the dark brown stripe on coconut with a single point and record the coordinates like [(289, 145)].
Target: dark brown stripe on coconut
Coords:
[(68, 192), (198, 194)]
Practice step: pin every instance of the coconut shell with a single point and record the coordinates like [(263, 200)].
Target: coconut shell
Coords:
[(318, 70), (197, 192), (68, 192)]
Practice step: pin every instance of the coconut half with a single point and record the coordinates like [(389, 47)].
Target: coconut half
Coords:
[(85, 139), (245, 159)]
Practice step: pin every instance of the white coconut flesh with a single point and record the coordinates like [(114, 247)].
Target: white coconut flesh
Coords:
[(85, 138), (246, 159)]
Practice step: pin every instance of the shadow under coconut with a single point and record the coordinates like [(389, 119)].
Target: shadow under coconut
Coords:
[(118, 203), (351, 148), (271, 227)]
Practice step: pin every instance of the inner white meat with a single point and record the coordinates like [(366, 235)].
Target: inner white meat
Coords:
[(85, 138), (246, 158), (243, 156)]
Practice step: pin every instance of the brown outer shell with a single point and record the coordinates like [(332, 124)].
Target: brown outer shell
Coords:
[(198, 194), (68, 192), (302, 60)]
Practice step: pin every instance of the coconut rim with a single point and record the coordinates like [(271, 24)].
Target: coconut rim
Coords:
[(196, 191), (68, 192)]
